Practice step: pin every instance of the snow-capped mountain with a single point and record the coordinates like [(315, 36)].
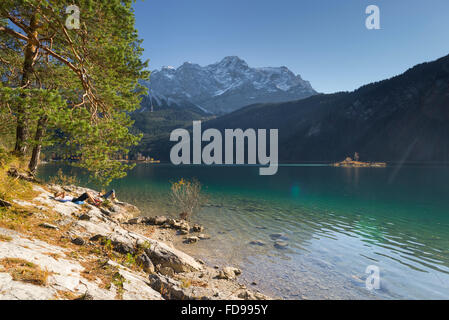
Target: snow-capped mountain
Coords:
[(225, 86)]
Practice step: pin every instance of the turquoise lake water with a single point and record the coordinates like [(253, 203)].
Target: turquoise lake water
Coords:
[(336, 221)]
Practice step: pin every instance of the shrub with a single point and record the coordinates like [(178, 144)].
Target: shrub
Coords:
[(186, 197), (63, 179)]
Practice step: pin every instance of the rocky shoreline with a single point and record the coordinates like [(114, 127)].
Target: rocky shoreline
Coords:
[(111, 252)]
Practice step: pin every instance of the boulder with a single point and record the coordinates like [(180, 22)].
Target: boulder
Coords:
[(162, 254), (229, 273), (146, 263), (197, 228), (137, 220), (158, 220), (167, 271), (169, 288)]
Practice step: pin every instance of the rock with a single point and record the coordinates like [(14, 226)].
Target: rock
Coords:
[(85, 296), (277, 236), (137, 220), (169, 288), (118, 213), (64, 274), (161, 253), (85, 217), (48, 226), (229, 273), (216, 267), (144, 261), (248, 295), (132, 210), (203, 236), (254, 283), (5, 204), (258, 243), (237, 271), (159, 220), (192, 239), (279, 244), (78, 241), (197, 228), (135, 287), (167, 271), (183, 232)]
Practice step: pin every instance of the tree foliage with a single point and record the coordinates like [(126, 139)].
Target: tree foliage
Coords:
[(72, 87)]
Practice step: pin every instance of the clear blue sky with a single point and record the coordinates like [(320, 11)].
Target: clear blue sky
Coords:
[(325, 41)]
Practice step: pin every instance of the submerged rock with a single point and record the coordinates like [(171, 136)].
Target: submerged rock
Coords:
[(203, 236), (279, 236), (192, 239), (258, 243), (279, 244)]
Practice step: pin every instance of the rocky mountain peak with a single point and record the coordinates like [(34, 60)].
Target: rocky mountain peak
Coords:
[(226, 85)]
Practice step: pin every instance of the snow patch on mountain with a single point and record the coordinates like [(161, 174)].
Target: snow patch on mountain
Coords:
[(226, 86)]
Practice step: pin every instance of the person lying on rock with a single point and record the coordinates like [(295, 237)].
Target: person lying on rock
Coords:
[(61, 196)]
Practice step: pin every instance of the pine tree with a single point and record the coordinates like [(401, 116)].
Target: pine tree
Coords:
[(72, 86)]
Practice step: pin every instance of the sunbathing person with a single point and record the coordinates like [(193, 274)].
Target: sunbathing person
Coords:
[(60, 196)]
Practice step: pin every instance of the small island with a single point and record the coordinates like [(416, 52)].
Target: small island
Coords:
[(349, 162)]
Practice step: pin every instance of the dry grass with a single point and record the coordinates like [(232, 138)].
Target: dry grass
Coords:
[(5, 238), (66, 295), (186, 283), (98, 269), (23, 270), (14, 188)]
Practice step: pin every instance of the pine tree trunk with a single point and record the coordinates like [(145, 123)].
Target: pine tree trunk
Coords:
[(22, 129), (40, 132)]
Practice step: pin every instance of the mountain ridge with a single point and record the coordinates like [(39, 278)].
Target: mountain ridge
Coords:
[(403, 118), (398, 119), (225, 86)]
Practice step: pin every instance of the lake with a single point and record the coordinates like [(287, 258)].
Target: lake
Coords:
[(336, 222)]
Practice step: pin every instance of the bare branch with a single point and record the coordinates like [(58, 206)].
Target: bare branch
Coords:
[(15, 34)]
